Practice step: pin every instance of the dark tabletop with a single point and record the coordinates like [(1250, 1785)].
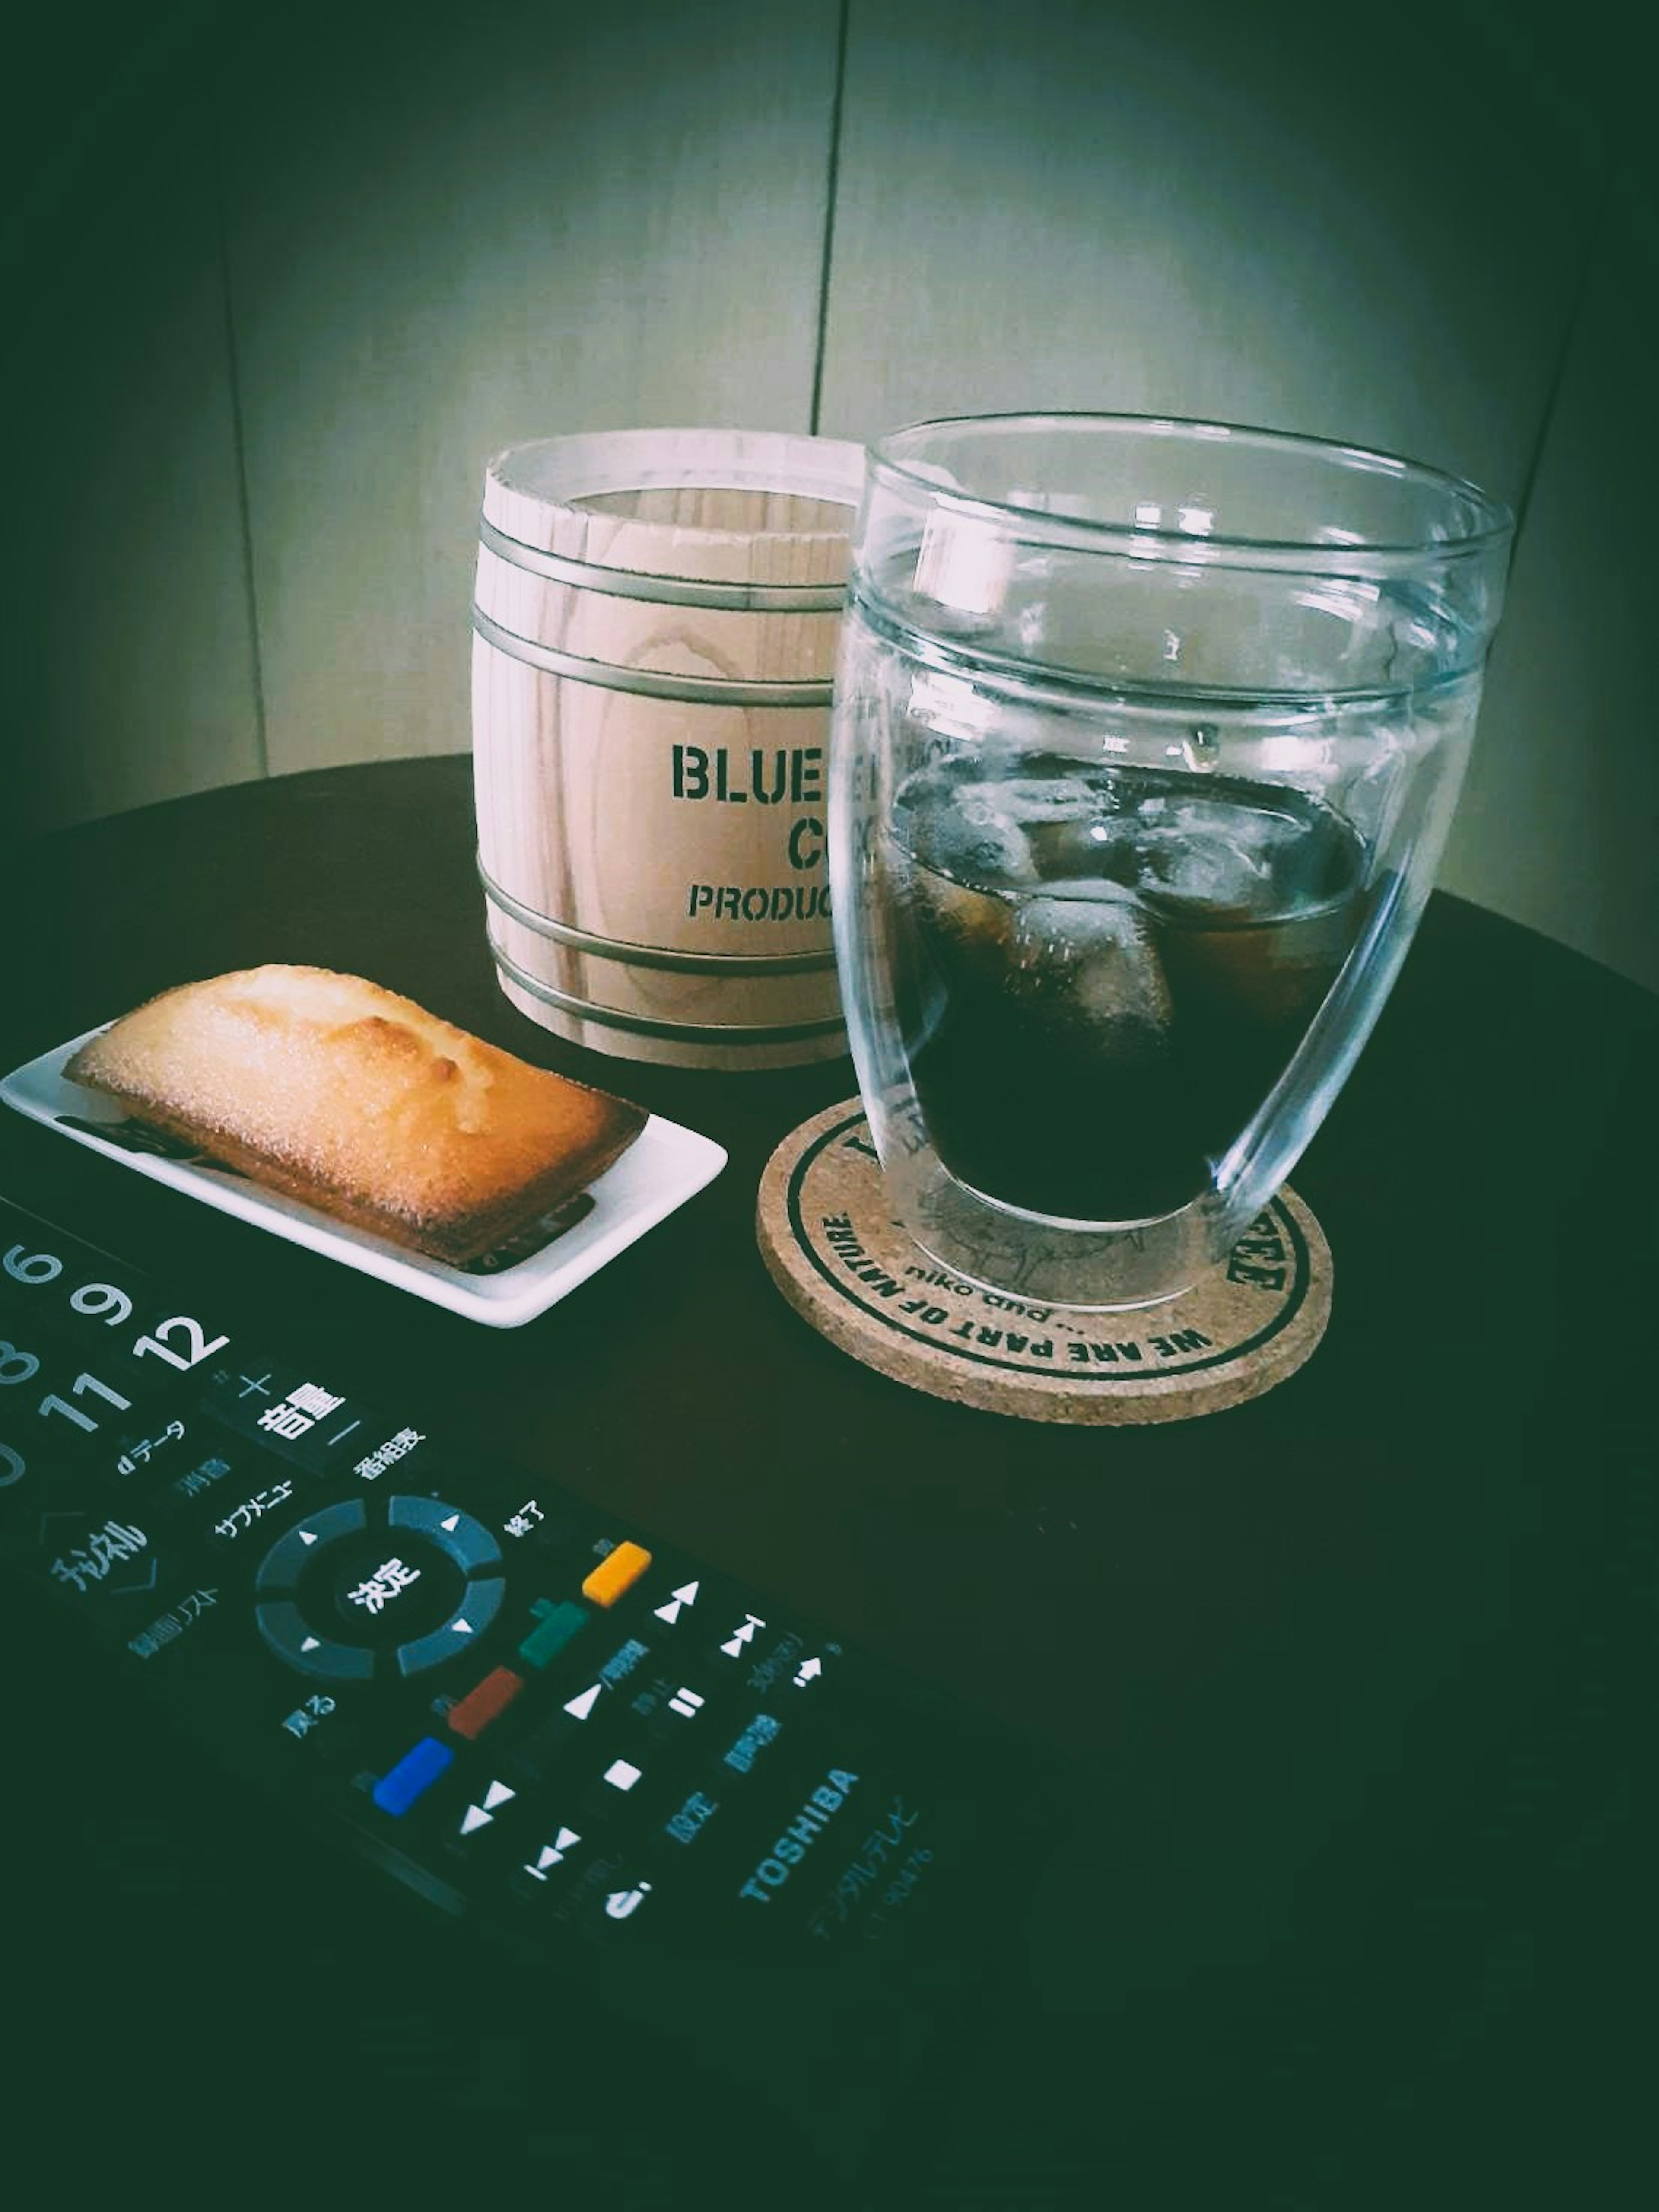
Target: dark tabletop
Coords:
[(1359, 1678)]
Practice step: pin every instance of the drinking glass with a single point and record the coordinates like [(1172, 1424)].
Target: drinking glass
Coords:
[(1147, 736)]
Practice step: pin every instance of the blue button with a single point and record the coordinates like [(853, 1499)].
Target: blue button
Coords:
[(415, 1773)]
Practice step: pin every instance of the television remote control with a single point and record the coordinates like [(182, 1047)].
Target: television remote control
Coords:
[(583, 1738)]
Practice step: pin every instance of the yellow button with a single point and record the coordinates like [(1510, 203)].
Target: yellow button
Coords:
[(617, 1572)]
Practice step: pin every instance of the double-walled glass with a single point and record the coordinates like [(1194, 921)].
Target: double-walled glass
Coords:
[(1147, 737)]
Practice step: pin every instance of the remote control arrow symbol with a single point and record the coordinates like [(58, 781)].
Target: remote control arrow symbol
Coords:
[(475, 1817), (684, 1595), (580, 1707), (497, 1794), (552, 1855)]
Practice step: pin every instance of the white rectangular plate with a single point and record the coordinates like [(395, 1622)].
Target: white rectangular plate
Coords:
[(664, 1166)]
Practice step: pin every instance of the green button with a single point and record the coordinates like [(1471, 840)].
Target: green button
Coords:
[(558, 1624)]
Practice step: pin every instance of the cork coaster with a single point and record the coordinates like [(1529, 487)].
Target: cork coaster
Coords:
[(824, 1234)]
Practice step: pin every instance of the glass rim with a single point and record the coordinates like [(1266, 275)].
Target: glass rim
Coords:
[(1496, 526)]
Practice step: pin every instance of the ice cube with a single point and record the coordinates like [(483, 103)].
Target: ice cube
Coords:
[(1033, 798), (1085, 952), (973, 919), (1103, 849), (968, 830), (1218, 855), (1074, 825)]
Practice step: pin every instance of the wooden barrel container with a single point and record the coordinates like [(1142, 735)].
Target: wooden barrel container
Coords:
[(654, 625)]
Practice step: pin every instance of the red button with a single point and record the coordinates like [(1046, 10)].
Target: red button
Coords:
[(475, 1710)]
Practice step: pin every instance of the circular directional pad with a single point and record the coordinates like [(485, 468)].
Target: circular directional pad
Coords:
[(350, 1589), (381, 1588)]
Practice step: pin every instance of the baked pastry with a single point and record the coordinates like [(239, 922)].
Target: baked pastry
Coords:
[(340, 1093)]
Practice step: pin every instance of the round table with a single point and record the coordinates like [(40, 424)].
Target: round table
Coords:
[(1357, 1677)]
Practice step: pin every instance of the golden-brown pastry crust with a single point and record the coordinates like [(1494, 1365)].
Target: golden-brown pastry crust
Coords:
[(333, 1090)]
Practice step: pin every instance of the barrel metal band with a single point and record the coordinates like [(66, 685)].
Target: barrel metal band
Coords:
[(663, 591), (648, 683), (652, 956), (640, 1026)]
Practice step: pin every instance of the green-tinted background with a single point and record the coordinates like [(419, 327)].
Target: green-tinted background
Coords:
[(281, 282)]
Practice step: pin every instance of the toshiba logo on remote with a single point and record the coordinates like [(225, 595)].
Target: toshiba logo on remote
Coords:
[(802, 1833)]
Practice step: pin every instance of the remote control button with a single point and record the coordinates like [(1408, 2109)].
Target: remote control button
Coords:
[(623, 1661), (219, 1467), (482, 1813), (382, 1588), (558, 1624), (413, 1776), (161, 1629), (289, 1557), (661, 1711), (480, 1604), (736, 1645), (93, 1417), (244, 1510), (790, 1664), (752, 1742), (560, 1525), (676, 1602), (382, 1447), (555, 1853), (615, 1797), (106, 1557), (687, 1822), (473, 1713), (289, 1410), (146, 1459), (315, 1711), (623, 1904), (467, 1541), (617, 1572), (290, 1636)]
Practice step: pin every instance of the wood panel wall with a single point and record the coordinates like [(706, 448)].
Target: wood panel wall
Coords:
[(129, 636), (281, 294)]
